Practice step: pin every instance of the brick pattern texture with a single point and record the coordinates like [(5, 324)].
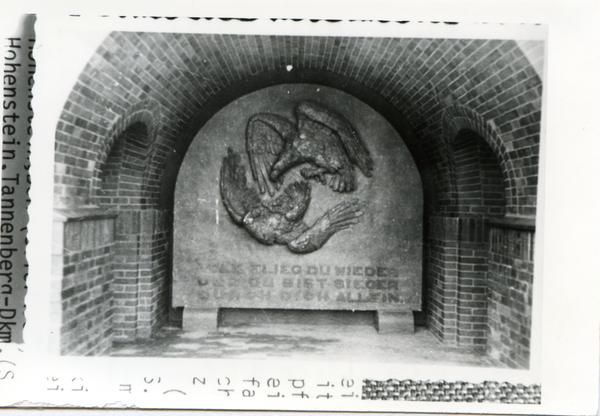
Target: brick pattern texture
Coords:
[(140, 95), (480, 191), (510, 280), (140, 238), (441, 274), (424, 79), (86, 293)]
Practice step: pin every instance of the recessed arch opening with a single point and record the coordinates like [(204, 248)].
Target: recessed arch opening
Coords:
[(481, 188), (123, 189), (299, 76), (481, 195), (121, 174)]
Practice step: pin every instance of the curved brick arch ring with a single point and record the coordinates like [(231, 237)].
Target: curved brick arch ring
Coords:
[(456, 118), (147, 112)]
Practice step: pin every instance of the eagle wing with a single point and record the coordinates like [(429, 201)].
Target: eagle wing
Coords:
[(352, 143), (266, 135), (237, 197)]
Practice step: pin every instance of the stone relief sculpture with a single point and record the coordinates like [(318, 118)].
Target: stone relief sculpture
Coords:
[(327, 144), (279, 220), (324, 139)]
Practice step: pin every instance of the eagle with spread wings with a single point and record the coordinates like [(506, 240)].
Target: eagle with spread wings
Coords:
[(279, 220), (324, 140)]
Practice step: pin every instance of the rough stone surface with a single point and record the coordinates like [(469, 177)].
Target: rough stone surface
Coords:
[(374, 265)]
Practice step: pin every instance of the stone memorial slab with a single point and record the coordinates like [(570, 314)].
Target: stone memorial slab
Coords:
[(301, 197)]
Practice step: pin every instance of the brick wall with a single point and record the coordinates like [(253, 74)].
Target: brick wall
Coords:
[(84, 270), (510, 280), (441, 277), (140, 239), (472, 268), (172, 83), (480, 182), (480, 187)]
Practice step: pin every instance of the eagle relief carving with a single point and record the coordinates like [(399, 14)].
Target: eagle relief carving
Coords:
[(327, 146)]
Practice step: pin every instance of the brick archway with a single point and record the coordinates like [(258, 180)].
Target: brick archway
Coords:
[(426, 88), (417, 78), (456, 119)]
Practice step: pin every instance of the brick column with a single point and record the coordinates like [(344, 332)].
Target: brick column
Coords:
[(152, 289), (472, 296), (442, 275)]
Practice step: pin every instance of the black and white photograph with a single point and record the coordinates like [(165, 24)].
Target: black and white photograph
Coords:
[(293, 214), (348, 195)]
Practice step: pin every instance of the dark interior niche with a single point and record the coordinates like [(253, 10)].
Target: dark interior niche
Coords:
[(480, 182), (122, 172), (121, 191), (481, 196)]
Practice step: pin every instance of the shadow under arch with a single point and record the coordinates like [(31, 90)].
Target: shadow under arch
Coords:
[(462, 122), (260, 81), (137, 127), (481, 196)]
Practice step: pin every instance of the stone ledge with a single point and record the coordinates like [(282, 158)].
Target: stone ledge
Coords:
[(516, 223), (82, 214)]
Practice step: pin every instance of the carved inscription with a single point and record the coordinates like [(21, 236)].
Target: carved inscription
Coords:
[(232, 282), (295, 269)]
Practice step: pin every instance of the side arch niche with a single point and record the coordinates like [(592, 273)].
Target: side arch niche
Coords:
[(123, 190), (481, 186), (376, 265), (481, 196)]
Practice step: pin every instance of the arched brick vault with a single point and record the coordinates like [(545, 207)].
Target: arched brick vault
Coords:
[(456, 119), (428, 89), (415, 78)]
